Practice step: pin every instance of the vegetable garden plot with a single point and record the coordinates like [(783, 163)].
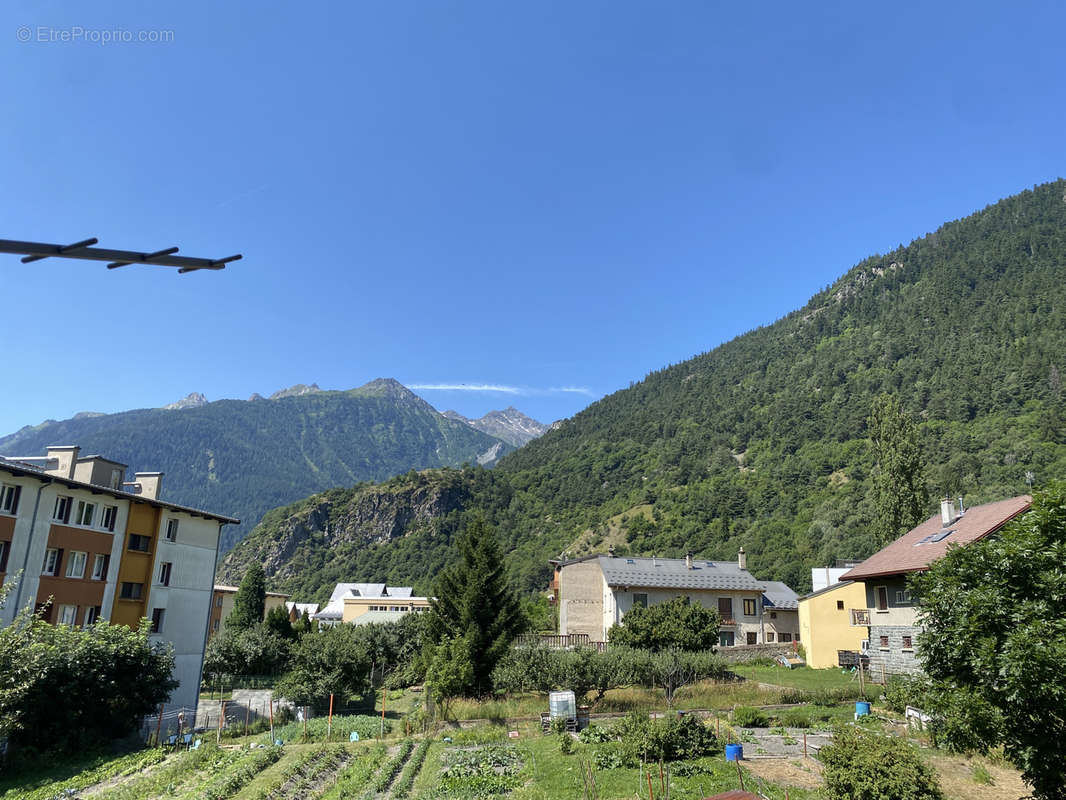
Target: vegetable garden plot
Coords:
[(355, 777), (307, 775), (478, 772)]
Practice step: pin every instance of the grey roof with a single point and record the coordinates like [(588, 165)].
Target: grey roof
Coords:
[(334, 609), (310, 608), (779, 595), (672, 573)]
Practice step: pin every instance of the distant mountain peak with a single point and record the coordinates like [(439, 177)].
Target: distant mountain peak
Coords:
[(255, 396), (387, 387), (191, 400), (510, 425), (294, 391)]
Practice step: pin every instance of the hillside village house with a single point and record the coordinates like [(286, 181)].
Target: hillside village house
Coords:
[(595, 592), (826, 626), (366, 603), (297, 611), (91, 546), (890, 616), (222, 606)]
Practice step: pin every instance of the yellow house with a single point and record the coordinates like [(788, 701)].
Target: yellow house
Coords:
[(825, 622)]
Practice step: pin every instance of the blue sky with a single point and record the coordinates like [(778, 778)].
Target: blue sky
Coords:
[(548, 198)]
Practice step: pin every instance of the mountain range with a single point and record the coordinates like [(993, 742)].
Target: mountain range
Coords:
[(760, 442), (245, 457)]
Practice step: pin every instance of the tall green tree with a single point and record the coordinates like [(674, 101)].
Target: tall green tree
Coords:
[(250, 602), (994, 644), (900, 493), (677, 624), (474, 602)]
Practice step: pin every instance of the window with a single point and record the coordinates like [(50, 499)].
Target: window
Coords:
[(218, 602), (139, 543), (9, 499), (840, 605), (797, 637), (86, 512), (61, 512), (784, 637), (164, 573), (903, 596), (100, 562), (157, 620), (725, 607), (749, 610), (5, 548), (116, 479), (172, 530), (753, 638), (92, 614), (884, 642), (67, 615), (107, 519), (76, 564), (131, 591), (51, 561), (773, 615), (214, 626), (640, 600), (769, 636), (907, 643), (882, 598)]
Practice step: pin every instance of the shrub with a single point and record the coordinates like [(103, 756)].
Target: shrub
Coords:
[(795, 718), (670, 739), (863, 765), (748, 717), (566, 744), (595, 733)]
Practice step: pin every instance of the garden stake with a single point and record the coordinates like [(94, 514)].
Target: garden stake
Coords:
[(305, 722), (662, 784), (383, 711), (740, 776), (329, 724), (271, 707), (651, 793), (247, 711), (804, 747)]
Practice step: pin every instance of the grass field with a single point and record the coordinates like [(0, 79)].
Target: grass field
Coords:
[(799, 677)]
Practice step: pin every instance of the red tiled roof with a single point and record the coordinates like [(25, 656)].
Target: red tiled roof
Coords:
[(906, 555)]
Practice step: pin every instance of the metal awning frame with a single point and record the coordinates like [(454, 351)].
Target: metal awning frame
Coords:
[(36, 251)]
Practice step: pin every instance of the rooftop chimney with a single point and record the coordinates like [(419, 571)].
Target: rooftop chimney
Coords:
[(947, 511), (688, 560), (610, 550), (67, 457), (742, 560), (149, 483), (962, 508)]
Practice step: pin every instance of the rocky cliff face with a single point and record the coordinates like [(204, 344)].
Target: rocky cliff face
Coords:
[(191, 400), (340, 524)]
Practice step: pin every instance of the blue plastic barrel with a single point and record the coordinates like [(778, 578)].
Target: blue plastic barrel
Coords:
[(862, 709), (734, 752)]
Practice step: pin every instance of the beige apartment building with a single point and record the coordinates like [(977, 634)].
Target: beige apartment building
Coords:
[(222, 606)]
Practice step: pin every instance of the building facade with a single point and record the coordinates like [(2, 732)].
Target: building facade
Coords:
[(595, 592), (81, 544), (890, 616), (351, 601), (826, 626)]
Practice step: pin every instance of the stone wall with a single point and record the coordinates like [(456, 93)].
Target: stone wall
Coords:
[(744, 653), (894, 659)]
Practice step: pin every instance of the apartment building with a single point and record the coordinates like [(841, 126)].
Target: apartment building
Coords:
[(353, 602), (595, 592), (89, 545)]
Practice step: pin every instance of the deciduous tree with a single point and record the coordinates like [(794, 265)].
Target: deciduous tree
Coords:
[(677, 624), (900, 492), (994, 644)]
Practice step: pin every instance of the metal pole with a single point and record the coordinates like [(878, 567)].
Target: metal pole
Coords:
[(329, 723), (804, 745), (382, 712), (271, 709), (221, 717)]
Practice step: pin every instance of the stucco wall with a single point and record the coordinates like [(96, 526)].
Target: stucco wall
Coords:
[(581, 599), (825, 628)]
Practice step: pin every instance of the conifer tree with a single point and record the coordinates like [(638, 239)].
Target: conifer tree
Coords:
[(900, 493), (250, 602), (474, 602)]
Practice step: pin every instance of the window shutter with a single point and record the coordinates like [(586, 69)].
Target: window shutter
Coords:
[(15, 503), (6, 546), (59, 562)]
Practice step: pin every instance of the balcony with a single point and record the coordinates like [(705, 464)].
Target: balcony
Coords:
[(860, 617)]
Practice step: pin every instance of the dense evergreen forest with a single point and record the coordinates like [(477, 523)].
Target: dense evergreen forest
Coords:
[(243, 458), (762, 441)]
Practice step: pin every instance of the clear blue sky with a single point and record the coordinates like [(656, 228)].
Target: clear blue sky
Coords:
[(540, 196)]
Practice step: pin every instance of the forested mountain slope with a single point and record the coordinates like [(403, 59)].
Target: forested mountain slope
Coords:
[(244, 457), (761, 442)]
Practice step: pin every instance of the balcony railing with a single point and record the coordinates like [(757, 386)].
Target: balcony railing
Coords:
[(860, 617)]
